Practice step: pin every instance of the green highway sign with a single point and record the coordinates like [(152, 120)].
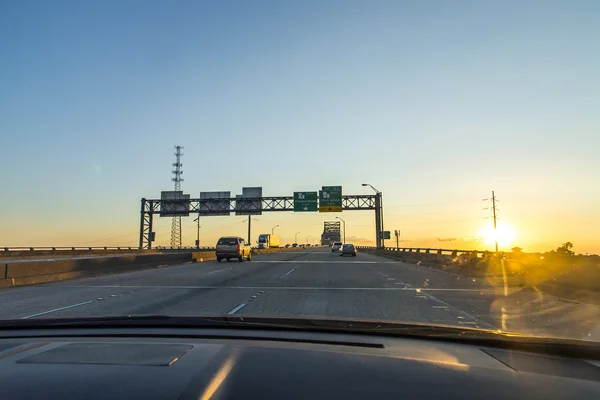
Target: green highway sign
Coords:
[(330, 199), (385, 235), (305, 201)]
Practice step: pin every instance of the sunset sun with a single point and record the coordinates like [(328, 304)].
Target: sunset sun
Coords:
[(504, 233)]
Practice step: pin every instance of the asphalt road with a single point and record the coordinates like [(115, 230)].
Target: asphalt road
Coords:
[(310, 282)]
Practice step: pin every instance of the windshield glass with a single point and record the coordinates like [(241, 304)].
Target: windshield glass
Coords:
[(135, 138)]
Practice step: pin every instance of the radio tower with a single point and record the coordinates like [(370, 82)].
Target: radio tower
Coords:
[(176, 224)]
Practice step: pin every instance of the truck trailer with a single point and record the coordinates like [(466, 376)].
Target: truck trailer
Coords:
[(268, 241)]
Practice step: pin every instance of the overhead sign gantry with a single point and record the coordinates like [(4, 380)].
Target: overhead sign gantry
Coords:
[(252, 202)]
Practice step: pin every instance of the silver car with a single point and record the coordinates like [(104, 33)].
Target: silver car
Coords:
[(348, 249), (336, 246), (229, 247)]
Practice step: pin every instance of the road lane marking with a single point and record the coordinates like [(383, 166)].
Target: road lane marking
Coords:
[(58, 309), (238, 308), (322, 262), (461, 314), (219, 270), (482, 291), (290, 271)]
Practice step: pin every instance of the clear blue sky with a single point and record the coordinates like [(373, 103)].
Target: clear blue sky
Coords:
[(436, 103)]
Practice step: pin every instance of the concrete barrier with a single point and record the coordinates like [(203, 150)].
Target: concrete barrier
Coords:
[(30, 271), (78, 252), (35, 272)]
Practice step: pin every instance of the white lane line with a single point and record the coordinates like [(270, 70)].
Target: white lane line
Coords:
[(461, 314), (486, 291), (219, 270), (238, 308), (319, 262), (58, 309), (290, 271)]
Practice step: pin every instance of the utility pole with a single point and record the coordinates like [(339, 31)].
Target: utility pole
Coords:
[(176, 223), (494, 216), (494, 208), (397, 233)]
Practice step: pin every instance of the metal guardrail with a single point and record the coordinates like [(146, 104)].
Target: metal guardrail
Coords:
[(94, 248), (425, 250)]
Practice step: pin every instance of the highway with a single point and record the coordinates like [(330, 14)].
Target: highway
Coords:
[(308, 282)]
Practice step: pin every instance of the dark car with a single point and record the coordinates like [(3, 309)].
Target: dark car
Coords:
[(348, 249)]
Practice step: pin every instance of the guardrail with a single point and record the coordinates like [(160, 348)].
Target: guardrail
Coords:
[(93, 248), (425, 250)]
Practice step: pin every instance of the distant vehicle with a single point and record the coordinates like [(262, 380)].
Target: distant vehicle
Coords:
[(348, 249), (287, 245), (295, 245), (308, 245), (229, 247), (268, 241), (336, 246)]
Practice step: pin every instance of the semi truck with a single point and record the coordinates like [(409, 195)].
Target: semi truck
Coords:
[(268, 241)]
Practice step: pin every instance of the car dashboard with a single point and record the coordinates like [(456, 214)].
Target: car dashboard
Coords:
[(164, 363)]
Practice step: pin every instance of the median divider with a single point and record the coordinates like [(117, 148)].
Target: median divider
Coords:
[(31, 272)]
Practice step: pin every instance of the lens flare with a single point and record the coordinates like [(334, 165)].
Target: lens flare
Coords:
[(504, 233)]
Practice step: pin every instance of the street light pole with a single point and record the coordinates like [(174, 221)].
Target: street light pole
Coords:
[(198, 233), (249, 225), (381, 212), (273, 229), (296, 238), (344, 222)]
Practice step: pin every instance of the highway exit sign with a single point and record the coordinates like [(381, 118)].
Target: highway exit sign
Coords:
[(330, 199), (385, 235), (305, 201)]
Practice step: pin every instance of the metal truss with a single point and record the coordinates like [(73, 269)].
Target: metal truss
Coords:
[(245, 206)]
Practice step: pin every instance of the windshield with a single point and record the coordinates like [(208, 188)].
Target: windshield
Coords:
[(135, 138)]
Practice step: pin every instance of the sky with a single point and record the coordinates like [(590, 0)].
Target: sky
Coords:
[(434, 103)]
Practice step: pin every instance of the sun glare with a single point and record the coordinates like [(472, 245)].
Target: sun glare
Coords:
[(504, 233)]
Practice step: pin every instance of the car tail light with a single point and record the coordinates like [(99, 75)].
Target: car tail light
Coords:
[(239, 247), (216, 248)]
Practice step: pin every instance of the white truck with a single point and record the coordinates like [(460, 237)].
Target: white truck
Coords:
[(268, 241)]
